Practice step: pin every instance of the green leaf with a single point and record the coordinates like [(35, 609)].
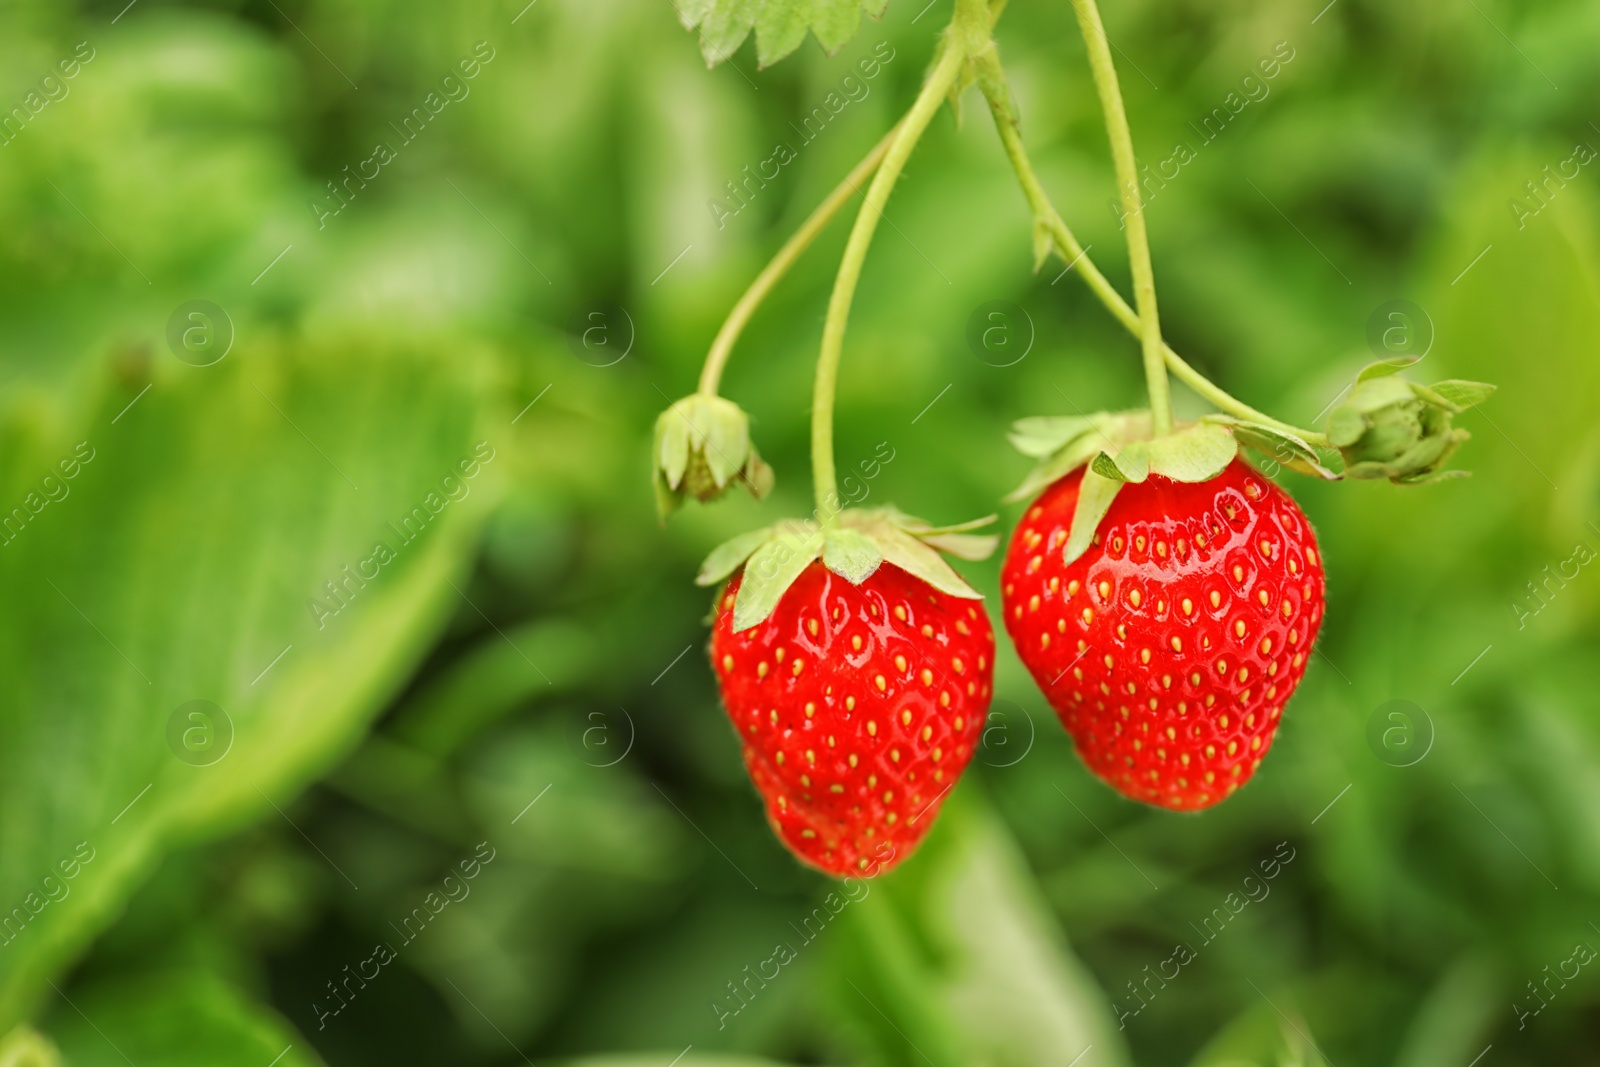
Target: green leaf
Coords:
[(1374, 393), (538, 661), (920, 561), (654, 1059), (1281, 447), (1057, 467), (1433, 476), (772, 569), (1261, 1037), (1345, 427), (1463, 394), (1194, 454), (924, 530), (1384, 367), (726, 438), (963, 546), (1042, 435), (850, 554), (26, 1047), (758, 475), (957, 957), (1094, 500), (192, 560), (1131, 463), (176, 1019), (728, 556), (780, 25), (672, 446)]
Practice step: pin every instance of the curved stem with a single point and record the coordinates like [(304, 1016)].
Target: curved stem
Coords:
[(940, 79), (798, 242), (1144, 280), (1047, 218)]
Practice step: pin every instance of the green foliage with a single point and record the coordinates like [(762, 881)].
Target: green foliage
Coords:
[(780, 25), (529, 673), (166, 1020), (199, 541)]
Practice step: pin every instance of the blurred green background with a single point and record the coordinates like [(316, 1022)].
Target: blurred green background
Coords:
[(514, 685)]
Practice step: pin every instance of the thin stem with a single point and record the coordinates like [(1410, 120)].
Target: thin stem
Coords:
[(940, 79), (1144, 279), (992, 81), (798, 242)]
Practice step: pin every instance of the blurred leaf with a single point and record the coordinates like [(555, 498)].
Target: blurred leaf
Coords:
[(503, 672), (958, 943), (1261, 1037), (25, 1047), (1456, 1018), (273, 602), (656, 1059), (780, 25), (179, 1019)]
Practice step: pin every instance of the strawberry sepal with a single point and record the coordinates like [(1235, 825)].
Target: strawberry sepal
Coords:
[(702, 447), (1390, 427), (853, 547)]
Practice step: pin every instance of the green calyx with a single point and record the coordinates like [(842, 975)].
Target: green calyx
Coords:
[(1116, 448), (854, 547), (702, 446), (1390, 427)]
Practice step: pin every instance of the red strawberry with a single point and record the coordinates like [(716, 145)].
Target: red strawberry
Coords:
[(1168, 648), (858, 707)]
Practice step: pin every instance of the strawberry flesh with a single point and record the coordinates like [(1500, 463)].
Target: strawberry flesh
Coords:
[(858, 707), (1170, 647)]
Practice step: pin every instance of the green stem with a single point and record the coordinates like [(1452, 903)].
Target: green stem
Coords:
[(941, 78), (1047, 218), (798, 242), (1144, 279)]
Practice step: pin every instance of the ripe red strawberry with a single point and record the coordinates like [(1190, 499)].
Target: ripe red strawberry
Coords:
[(1168, 648), (858, 707)]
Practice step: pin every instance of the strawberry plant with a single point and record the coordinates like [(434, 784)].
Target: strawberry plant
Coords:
[(1164, 594)]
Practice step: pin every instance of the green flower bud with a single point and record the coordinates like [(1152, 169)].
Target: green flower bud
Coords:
[(1388, 427), (702, 446)]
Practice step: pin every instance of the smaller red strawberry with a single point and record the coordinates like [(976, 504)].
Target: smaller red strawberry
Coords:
[(859, 695)]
